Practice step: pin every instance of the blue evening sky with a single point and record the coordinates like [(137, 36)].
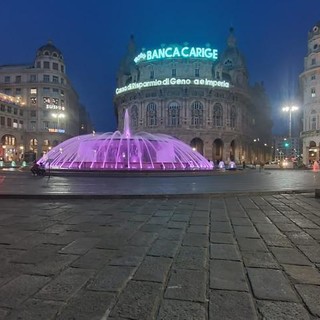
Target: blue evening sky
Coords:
[(93, 37)]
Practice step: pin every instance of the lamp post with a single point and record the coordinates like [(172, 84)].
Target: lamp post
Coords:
[(290, 109)]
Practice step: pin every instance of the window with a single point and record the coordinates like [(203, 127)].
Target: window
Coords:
[(151, 114), (55, 90), (15, 111), (134, 117), (55, 101), (33, 113), (33, 91), (21, 113), (7, 79), (196, 113), (9, 122), (39, 64), (62, 104), (62, 81), (313, 92), (233, 117), (46, 64), (55, 66), (313, 120), (9, 109), (62, 92), (62, 68), (15, 123), (46, 100), (197, 70), (55, 79), (46, 90), (18, 79), (33, 100), (33, 125), (46, 78), (20, 124), (33, 78), (313, 77), (313, 61), (174, 72), (151, 74), (45, 125), (2, 121), (173, 114), (3, 108), (217, 115), (7, 91), (18, 91)]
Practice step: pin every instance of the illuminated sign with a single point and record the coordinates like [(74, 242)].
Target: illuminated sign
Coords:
[(56, 130), (54, 107), (177, 52), (172, 82)]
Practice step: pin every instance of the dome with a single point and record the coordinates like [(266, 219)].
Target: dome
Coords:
[(49, 50)]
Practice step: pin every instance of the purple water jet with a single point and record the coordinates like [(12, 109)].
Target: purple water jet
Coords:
[(125, 151)]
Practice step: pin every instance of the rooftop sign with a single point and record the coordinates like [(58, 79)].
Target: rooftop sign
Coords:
[(177, 52)]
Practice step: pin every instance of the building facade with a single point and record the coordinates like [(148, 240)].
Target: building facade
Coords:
[(39, 106), (310, 91), (199, 96)]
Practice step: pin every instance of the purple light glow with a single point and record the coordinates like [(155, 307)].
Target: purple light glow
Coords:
[(127, 151)]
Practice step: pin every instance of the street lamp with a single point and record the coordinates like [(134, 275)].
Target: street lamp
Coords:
[(290, 109)]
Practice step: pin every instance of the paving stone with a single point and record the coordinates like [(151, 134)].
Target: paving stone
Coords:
[(199, 221), (224, 251), (195, 240), (128, 256), (21, 288), (191, 258), (278, 310), (230, 305), (143, 239), (34, 309), (303, 274), (164, 248), (3, 314), (265, 228), (310, 295), (276, 240), (270, 284), (285, 227), (189, 285), (259, 260), (80, 246), (87, 305), (94, 259), (65, 285), (177, 225), (180, 217), (315, 233), (227, 275), (222, 238), (153, 269), (246, 232), (174, 310), (290, 256), (253, 245), (159, 220), (53, 265), (221, 227), (198, 229), (241, 222), (301, 238), (140, 301), (171, 234), (112, 278), (304, 223), (312, 252)]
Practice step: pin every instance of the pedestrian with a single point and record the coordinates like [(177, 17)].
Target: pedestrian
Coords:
[(35, 168)]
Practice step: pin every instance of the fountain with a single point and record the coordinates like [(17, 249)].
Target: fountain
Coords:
[(124, 151)]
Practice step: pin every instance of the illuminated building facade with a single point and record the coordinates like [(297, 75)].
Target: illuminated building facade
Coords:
[(199, 96), (39, 106), (310, 89)]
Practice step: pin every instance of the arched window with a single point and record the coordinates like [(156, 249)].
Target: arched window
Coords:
[(134, 117), (151, 115), (233, 117), (313, 120), (197, 113), (217, 115), (173, 114)]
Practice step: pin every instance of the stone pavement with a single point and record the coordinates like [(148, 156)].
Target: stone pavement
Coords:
[(229, 257)]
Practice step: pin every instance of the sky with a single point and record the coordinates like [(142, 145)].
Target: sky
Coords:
[(93, 37)]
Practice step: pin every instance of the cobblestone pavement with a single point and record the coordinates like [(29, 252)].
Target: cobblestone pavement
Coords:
[(237, 257)]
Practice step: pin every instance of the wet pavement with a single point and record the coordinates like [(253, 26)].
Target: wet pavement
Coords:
[(240, 252)]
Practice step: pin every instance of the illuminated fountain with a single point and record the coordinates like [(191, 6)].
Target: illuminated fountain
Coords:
[(124, 151)]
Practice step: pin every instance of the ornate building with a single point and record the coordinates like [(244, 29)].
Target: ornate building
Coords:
[(310, 89), (198, 96), (39, 106)]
